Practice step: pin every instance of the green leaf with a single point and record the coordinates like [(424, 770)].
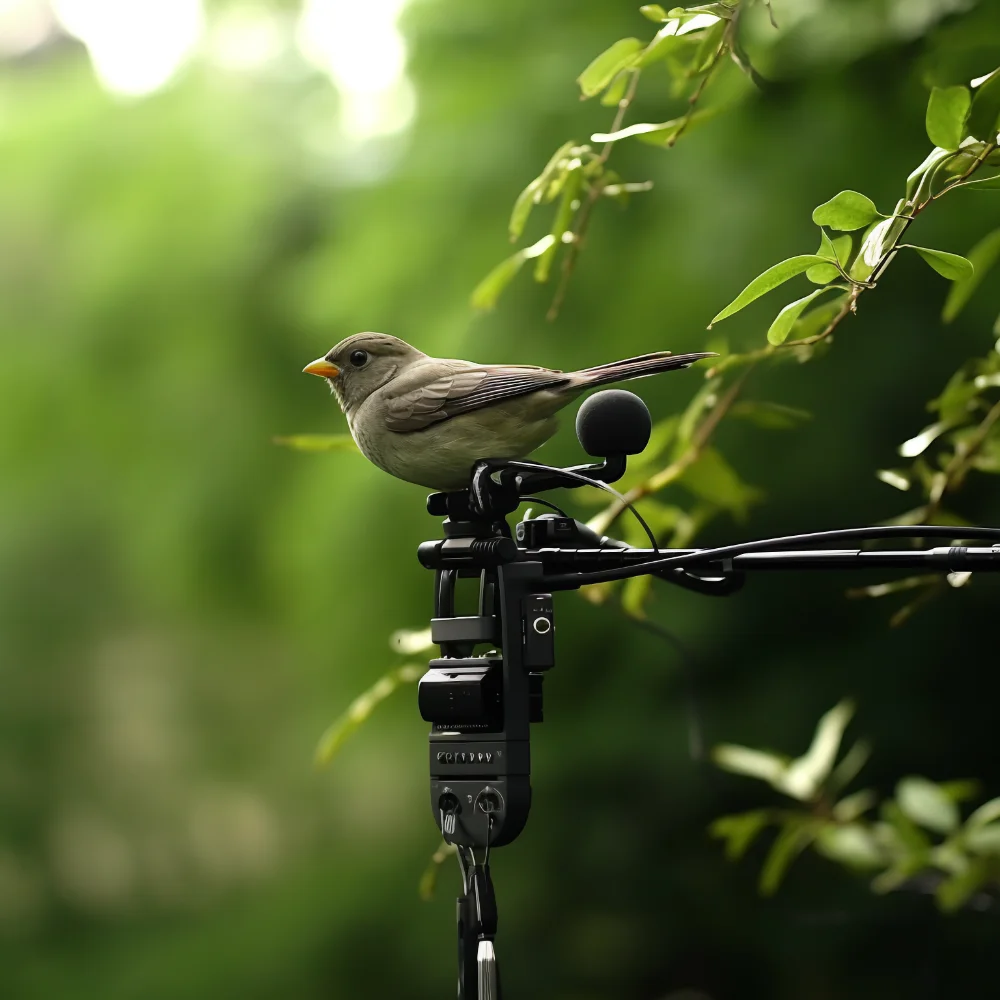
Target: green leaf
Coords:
[(852, 806), (921, 442), (653, 11), (851, 844), (982, 256), (621, 192), (981, 184), (826, 246), (953, 893), (823, 274), (842, 246), (362, 707), (988, 812), (739, 832), (805, 776), (778, 331), (317, 442), (663, 433), (525, 202), (613, 95), (739, 55), (704, 399), (953, 403), (640, 128), (769, 416), (947, 111), (895, 478), (711, 41), (934, 157), (768, 767), (698, 15), (663, 44), (908, 835), (816, 320), (849, 767), (666, 136), (712, 478), (487, 292), (952, 266), (846, 211), (560, 226), (662, 519), (533, 193), (961, 790), (605, 67), (796, 835), (635, 593), (658, 133), (983, 839), (766, 282), (927, 805), (874, 240), (984, 117)]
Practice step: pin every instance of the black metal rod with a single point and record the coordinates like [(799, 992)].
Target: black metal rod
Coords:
[(588, 565)]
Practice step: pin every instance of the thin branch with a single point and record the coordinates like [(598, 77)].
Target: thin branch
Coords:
[(849, 306), (582, 221), (973, 167), (698, 91)]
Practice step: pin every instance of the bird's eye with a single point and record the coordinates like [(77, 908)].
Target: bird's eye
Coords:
[(359, 358)]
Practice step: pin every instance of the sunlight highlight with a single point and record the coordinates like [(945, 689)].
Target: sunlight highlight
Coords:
[(360, 47), (136, 46)]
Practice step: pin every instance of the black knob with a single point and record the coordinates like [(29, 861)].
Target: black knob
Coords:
[(613, 422)]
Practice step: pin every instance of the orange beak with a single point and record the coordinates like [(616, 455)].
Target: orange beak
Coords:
[(322, 368)]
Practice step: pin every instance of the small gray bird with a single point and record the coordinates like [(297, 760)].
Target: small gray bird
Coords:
[(428, 420)]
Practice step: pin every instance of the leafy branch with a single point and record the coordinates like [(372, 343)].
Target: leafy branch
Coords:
[(691, 44), (857, 243), (918, 840)]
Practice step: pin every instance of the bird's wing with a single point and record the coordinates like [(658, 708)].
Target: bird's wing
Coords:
[(433, 392)]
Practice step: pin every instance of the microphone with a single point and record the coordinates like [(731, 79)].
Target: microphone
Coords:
[(613, 422)]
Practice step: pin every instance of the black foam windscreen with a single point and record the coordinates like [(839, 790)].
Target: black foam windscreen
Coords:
[(613, 422)]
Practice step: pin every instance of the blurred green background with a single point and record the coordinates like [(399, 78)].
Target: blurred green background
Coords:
[(198, 198)]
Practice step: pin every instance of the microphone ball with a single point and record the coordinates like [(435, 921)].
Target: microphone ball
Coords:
[(613, 422)]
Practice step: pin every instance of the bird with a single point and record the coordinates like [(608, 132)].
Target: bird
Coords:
[(429, 420)]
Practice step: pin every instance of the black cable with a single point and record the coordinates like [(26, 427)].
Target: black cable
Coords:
[(689, 663), (589, 482), (545, 503), (766, 544)]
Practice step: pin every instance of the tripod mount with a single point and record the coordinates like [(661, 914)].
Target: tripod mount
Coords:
[(484, 692)]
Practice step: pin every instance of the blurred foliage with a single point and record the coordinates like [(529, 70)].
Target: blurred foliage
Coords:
[(183, 605), (919, 841)]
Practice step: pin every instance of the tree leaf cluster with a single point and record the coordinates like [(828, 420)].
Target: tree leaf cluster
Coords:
[(915, 840), (689, 45)]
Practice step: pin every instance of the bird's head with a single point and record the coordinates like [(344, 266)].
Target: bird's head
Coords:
[(360, 364)]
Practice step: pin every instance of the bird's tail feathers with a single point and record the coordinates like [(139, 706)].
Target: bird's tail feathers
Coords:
[(646, 364)]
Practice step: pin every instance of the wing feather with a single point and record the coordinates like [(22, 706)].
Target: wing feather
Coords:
[(462, 390)]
